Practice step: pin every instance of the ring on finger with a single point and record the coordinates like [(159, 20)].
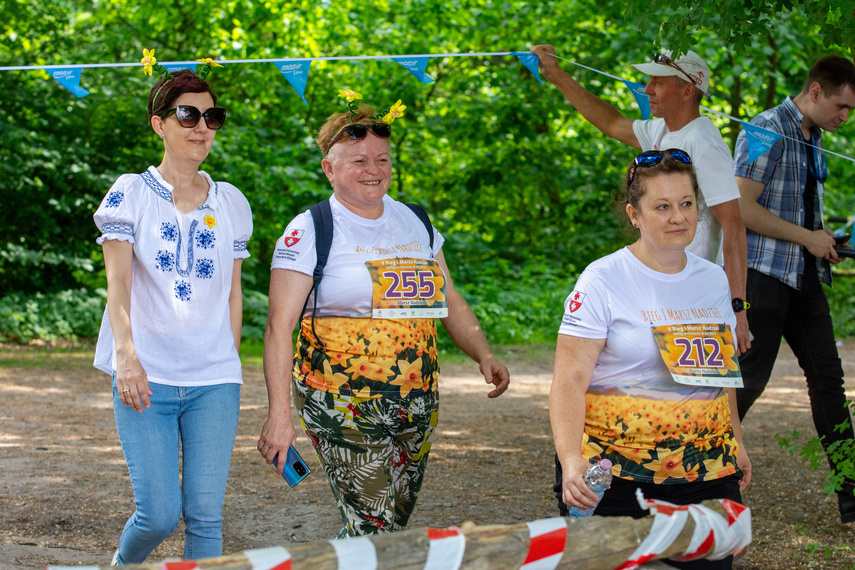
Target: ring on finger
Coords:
[(126, 391)]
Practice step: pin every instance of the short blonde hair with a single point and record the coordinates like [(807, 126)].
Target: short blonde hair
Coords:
[(337, 121)]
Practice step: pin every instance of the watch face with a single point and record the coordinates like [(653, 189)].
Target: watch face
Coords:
[(737, 304)]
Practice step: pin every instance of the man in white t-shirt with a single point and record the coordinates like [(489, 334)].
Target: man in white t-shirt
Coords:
[(675, 90)]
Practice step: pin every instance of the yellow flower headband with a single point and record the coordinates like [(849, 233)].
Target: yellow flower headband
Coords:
[(150, 64), (387, 115)]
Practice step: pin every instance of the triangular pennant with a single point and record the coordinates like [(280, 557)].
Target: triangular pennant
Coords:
[(179, 66), (416, 66), (531, 61), (69, 77), (297, 74), (759, 140), (641, 97)]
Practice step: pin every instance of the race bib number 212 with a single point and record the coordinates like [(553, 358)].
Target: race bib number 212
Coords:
[(701, 354)]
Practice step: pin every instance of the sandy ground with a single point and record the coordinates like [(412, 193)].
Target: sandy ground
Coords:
[(65, 492)]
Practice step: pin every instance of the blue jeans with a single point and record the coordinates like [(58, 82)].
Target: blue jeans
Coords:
[(204, 420)]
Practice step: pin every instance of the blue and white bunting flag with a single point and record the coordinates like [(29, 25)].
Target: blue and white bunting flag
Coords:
[(179, 66), (416, 66), (641, 97), (759, 140), (69, 77), (297, 74), (531, 61)]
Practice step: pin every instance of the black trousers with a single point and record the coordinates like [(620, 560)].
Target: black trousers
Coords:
[(803, 319), (619, 501)]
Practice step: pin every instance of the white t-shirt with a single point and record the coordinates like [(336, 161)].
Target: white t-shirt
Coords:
[(346, 287), (182, 277), (651, 428), (713, 166), (620, 298)]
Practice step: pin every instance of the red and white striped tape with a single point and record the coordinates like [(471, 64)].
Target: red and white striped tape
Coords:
[(273, 558), (446, 548), (713, 537), (356, 553), (547, 538), (179, 565)]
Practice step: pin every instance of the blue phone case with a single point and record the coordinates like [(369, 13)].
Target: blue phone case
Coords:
[(295, 468)]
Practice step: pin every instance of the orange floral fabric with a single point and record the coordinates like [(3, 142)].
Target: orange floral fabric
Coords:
[(660, 441), (368, 358)]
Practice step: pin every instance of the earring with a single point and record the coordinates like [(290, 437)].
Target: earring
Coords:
[(161, 136)]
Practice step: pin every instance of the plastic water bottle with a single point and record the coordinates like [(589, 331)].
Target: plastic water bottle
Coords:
[(598, 477)]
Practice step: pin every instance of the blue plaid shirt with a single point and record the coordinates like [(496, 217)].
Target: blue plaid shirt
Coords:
[(783, 171)]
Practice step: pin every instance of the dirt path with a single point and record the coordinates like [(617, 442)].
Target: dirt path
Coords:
[(65, 492)]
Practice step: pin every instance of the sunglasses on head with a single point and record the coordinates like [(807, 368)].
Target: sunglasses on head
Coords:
[(664, 59), (357, 132), (188, 116), (654, 157)]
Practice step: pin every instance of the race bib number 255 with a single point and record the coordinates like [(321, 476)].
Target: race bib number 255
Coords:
[(407, 288)]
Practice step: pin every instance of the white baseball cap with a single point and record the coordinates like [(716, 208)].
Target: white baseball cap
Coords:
[(689, 67)]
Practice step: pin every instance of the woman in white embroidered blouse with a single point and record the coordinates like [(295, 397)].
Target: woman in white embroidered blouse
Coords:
[(173, 242)]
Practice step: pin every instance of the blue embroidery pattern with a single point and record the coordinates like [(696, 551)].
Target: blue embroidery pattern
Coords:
[(114, 199), (117, 228), (156, 186), (204, 268), (168, 231), (240, 246), (164, 260), (185, 272), (182, 290), (206, 239)]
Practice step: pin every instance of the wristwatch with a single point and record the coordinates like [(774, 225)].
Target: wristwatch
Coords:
[(739, 305)]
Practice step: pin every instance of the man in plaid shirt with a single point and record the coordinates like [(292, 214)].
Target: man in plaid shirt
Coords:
[(789, 249)]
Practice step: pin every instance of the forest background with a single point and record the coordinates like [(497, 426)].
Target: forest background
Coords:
[(517, 181)]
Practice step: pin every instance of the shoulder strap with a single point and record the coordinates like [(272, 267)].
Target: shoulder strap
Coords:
[(423, 216), (322, 220)]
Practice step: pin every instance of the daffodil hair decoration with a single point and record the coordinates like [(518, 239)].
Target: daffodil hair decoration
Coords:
[(350, 95), (387, 115), (206, 69), (150, 64)]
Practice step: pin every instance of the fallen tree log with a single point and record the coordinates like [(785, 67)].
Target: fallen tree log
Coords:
[(594, 543)]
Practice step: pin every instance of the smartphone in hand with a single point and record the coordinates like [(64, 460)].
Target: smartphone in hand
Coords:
[(295, 468)]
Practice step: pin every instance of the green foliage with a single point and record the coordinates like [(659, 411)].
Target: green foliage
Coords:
[(51, 316), (518, 183), (841, 453), (740, 22)]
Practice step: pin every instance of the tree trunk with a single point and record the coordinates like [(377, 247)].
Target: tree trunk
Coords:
[(592, 543)]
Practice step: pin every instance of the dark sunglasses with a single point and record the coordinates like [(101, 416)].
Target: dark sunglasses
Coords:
[(357, 132), (662, 58), (654, 157), (188, 116)]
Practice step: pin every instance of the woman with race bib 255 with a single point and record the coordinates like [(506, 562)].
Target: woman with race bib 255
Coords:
[(645, 368), (365, 370)]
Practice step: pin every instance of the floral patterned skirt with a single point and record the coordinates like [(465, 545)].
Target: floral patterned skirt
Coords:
[(660, 441), (368, 358)]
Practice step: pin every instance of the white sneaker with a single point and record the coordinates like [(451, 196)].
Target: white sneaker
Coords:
[(115, 560)]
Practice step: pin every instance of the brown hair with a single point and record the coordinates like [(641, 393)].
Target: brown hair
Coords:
[(167, 92), (336, 122), (832, 72), (634, 191)]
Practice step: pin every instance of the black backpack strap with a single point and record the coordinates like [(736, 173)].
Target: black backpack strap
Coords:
[(423, 216), (322, 219)]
